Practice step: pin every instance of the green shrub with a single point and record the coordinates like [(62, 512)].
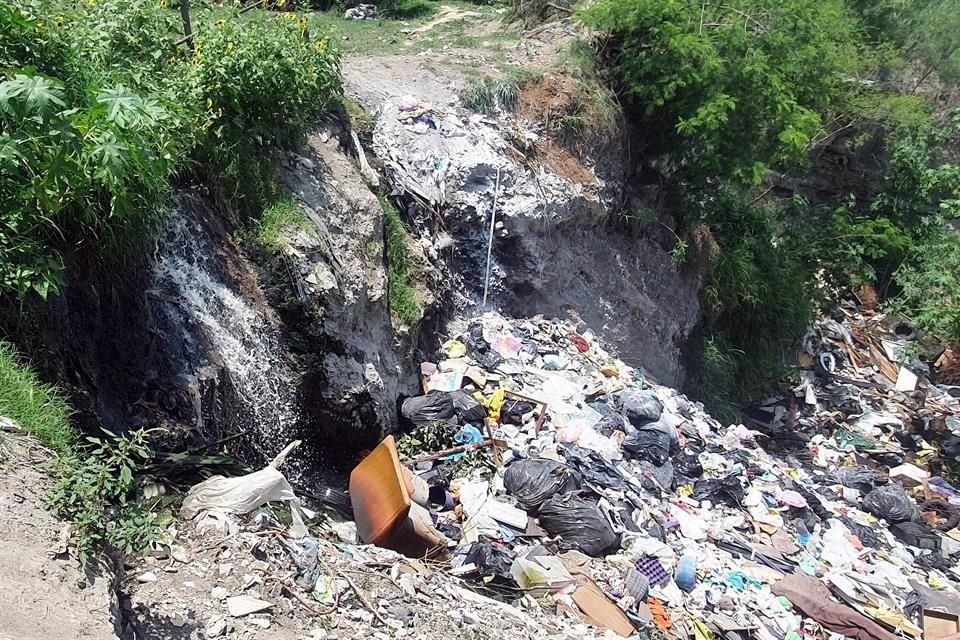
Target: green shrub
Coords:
[(38, 408), (929, 285), (99, 109), (743, 84), (756, 303), (98, 492), (404, 302)]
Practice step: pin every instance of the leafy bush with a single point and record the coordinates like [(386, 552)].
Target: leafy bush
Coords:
[(743, 83), (489, 95), (263, 83), (756, 304), (930, 286), (98, 493), (99, 109), (38, 408), (403, 298)]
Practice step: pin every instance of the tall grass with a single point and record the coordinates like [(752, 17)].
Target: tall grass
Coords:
[(37, 407), (404, 303)]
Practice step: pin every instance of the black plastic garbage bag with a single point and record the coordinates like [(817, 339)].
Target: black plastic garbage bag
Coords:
[(654, 442), (479, 349), (860, 478), (514, 409), (654, 478), (493, 561), (890, 503), (916, 534), (727, 490), (688, 465), (641, 407), (611, 420), (865, 534), (436, 406), (534, 480), (596, 471), (467, 407), (579, 523)]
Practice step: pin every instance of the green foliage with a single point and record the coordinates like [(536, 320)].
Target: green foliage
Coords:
[(282, 214), (756, 304), (36, 407), (404, 302), (921, 30), (930, 286), (99, 494), (262, 82), (743, 83), (99, 109)]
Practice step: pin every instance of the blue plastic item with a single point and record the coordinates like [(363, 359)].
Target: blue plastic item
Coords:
[(686, 575)]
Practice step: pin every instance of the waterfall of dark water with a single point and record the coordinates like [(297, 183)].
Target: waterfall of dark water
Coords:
[(216, 336)]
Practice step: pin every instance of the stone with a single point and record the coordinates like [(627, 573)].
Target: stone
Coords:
[(263, 623), (215, 628), (240, 606), (219, 593), (149, 576)]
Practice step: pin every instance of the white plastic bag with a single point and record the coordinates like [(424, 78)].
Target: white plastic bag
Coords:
[(243, 494), (237, 495)]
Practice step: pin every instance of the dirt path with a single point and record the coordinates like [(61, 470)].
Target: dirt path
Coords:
[(41, 597)]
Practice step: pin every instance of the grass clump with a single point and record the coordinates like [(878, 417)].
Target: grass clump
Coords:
[(491, 95), (38, 408), (404, 302), (282, 214)]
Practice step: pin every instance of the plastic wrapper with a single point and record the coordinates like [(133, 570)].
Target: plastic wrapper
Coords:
[(533, 481), (890, 503), (237, 495), (579, 523), (433, 407), (641, 407)]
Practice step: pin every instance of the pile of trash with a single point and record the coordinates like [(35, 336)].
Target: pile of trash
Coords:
[(599, 502)]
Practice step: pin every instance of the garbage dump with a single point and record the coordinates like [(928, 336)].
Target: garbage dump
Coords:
[(588, 501)]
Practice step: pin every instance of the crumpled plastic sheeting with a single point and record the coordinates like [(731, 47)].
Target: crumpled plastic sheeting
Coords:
[(237, 495)]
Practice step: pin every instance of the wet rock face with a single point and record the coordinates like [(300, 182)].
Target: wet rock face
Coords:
[(356, 366), (211, 336)]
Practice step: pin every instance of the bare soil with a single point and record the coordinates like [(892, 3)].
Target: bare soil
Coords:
[(43, 594)]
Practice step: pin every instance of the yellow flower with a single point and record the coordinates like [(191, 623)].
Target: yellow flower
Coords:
[(90, 3), (163, 4), (320, 46), (220, 23), (229, 47), (280, 3)]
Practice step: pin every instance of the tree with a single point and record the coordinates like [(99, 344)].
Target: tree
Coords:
[(744, 82)]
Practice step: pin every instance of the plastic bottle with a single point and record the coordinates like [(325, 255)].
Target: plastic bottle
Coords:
[(686, 575), (803, 534)]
